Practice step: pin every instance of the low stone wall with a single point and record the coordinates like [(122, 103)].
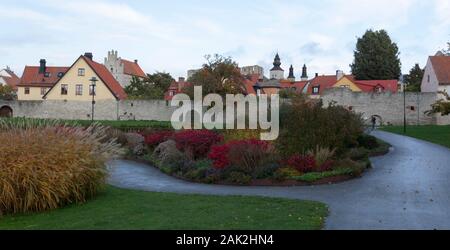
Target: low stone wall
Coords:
[(388, 106)]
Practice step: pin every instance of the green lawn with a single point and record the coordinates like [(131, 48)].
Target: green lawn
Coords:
[(125, 209), (432, 133)]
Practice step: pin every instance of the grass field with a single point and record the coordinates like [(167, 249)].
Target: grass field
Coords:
[(432, 133), (126, 209)]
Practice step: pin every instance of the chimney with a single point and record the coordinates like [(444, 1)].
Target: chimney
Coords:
[(42, 66), (181, 79), (136, 61), (89, 55), (339, 74), (317, 74)]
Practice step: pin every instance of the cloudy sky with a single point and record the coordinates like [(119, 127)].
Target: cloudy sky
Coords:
[(174, 35)]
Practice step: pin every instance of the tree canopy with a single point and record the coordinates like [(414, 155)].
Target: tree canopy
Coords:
[(413, 80), (153, 86), (441, 106), (220, 75), (7, 93), (376, 57)]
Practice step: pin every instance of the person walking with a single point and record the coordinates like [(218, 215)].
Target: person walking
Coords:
[(374, 122)]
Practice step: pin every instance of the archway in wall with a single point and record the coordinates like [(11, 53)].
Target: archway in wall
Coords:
[(6, 111), (379, 120)]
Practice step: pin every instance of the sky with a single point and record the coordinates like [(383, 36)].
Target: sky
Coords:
[(175, 35)]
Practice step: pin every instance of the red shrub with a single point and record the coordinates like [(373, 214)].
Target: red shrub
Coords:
[(244, 154), (196, 143), (302, 163), (156, 138), (219, 156), (327, 166)]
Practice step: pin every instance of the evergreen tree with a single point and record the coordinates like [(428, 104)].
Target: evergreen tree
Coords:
[(413, 81), (376, 57)]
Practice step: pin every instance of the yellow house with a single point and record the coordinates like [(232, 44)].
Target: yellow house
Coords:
[(37, 80), (346, 82), (76, 85)]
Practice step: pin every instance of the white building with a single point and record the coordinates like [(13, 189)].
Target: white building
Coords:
[(123, 70)]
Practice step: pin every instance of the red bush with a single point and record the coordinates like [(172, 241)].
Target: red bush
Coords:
[(154, 139), (245, 154), (196, 143), (219, 156), (327, 166), (303, 163)]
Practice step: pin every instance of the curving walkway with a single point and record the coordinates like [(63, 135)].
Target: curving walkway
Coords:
[(406, 189)]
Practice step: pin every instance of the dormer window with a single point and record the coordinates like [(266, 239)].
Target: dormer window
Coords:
[(47, 74), (315, 90), (60, 74)]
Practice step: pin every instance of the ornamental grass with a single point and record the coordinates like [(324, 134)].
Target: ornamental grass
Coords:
[(47, 166)]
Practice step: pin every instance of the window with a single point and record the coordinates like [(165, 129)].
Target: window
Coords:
[(172, 93), (112, 70), (345, 86), (81, 72), (92, 90), (64, 89), (60, 74), (428, 78), (43, 91), (27, 91), (413, 108), (79, 89), (316, 90), (47, 74)]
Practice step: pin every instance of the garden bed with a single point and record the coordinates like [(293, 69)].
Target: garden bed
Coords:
[(309, 179)]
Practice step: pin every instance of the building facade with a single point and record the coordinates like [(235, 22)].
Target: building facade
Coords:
[(76, 84), (437, 74), (37, 80), (123, 70), (253, 70)]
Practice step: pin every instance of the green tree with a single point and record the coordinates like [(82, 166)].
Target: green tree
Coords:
[(413, 80), (220, 75), (153, 86), (7, 93), (376, 57), (442, 106)]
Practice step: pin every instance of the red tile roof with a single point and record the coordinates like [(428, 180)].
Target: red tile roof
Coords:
[(176, 88), (11, 81), (373, 85), (323, 82), (32, 78), (249, 82), (107, 78), (298, 85), (132, 68), (441, 66)]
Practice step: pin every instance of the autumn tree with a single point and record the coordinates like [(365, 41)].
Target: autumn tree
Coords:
[(442, 106), (7, 93), (220, 75), (376, 57)]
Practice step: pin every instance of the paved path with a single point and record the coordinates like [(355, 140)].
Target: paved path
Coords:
[(406, 189)]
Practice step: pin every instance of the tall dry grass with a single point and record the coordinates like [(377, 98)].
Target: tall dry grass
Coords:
[(47, 166)]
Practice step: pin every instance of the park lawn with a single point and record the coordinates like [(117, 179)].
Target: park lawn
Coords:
[(432, 133), (127, 209)]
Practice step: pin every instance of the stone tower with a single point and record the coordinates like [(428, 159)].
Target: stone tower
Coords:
[(114, 64), (291, 76), (277, 72), (304, 73)]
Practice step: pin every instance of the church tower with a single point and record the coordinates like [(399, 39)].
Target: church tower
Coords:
[(277, 72), (291, 76), (304, 73)]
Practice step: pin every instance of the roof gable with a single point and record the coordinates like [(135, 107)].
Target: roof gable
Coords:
[(441, 66), (102, 73)]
